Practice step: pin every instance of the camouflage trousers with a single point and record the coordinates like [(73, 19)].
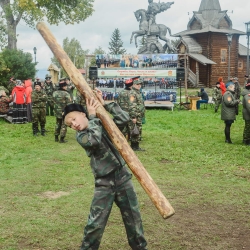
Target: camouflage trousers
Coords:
[(50, 107), (217, 104), (114, 189), (38, 116), (60, 128), (246, 132)]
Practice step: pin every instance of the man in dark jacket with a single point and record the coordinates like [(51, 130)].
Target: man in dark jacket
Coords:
[(228, 109), (204, 98)]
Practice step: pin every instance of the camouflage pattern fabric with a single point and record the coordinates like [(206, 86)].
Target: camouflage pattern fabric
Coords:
[(70, 89), (80, 99), (127, 100), (112, 183), (11, 86), (49, 89), (6, 90), (246, 132), (141, 106), (61, 100), (237, 90), (4, 104), (216, 97), (39, 99)]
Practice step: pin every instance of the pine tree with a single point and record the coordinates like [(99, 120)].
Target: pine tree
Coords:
[(116, 44)]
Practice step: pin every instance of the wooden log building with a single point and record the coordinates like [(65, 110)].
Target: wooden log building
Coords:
[(205, 48)]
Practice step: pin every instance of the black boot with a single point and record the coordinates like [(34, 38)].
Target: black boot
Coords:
[(135, 146), (34, 128), (43, 130), (62, 139), (56, 138), (227, 134)]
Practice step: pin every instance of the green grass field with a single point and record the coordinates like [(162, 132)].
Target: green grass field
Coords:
[(46, 187)]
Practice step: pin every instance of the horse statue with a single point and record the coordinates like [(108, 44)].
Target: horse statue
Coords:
[(159, 30)]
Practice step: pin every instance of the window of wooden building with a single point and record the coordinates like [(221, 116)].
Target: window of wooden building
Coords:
[(240, 64), (223, 55)]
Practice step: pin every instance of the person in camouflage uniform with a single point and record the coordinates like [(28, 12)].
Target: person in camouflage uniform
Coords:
[(127, 100), (246, 113), (5, 103), (216, 96), (61, 99), (49, 89), (237, 91), (39, 100), (70, 88), (12, 84), (112, 178), (140, 103)]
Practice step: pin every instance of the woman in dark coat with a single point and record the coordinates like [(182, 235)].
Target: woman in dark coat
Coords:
[(228, 109)]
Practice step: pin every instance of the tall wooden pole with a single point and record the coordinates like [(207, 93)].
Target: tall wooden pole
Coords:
[(115, 134)]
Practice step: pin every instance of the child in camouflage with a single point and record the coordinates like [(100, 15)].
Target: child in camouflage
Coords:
[(112, 178)]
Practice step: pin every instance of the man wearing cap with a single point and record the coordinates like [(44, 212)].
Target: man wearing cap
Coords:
[(39, 99), (127, 100), (70, 87), (204, 98), (61, 99), (140, 102), (49, 89), (228, 109)]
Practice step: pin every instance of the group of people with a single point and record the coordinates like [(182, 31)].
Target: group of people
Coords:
[(229, 96)]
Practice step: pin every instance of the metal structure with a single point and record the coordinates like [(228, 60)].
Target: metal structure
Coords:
[(151, 31), (229, 39), (248, 34)]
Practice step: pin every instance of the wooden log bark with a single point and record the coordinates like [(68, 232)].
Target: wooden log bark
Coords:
[(155, 194)]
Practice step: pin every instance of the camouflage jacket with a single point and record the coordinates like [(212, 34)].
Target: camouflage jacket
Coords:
[(38, 99), (70, 89), (4, 104), (216, 95), (105, 158), (246, 104), (127, 100), (140, 102), (49, 89), (237, 90), (80, 99), (61, 99)]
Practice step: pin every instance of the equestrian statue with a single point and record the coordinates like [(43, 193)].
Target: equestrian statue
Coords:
[(151, 30)]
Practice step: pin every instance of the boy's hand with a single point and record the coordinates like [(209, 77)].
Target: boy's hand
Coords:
[(92, 105), (98, 93)]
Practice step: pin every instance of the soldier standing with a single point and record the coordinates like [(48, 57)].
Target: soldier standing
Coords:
[(61, 98), (237, 92), (216, 96), (140, 103), (127, 100), (70, 87), (49, 89), (39, 99)]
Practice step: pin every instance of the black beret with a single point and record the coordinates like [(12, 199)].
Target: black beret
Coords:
[(37, 83), (74, 107)]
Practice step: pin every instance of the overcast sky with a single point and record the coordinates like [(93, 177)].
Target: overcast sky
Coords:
[(111, 14)]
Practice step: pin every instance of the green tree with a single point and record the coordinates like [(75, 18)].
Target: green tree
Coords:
[(16, 63), (116, 44), (75, 53), (97, 51), (32, 11)]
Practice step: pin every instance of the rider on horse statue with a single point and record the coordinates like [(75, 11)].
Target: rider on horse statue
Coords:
[(153, 10)]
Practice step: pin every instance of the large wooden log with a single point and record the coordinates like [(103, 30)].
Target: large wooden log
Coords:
[(116, 136)]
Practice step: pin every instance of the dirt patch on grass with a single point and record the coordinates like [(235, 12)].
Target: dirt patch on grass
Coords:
[(165, 161), (208, 227), (54, 195)]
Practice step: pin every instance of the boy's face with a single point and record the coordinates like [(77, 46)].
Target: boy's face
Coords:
[(76, 120)]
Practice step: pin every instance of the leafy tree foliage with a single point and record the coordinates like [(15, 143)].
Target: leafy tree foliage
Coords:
[(75, 53), (116, 44), (16, 63), (32, 11)]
